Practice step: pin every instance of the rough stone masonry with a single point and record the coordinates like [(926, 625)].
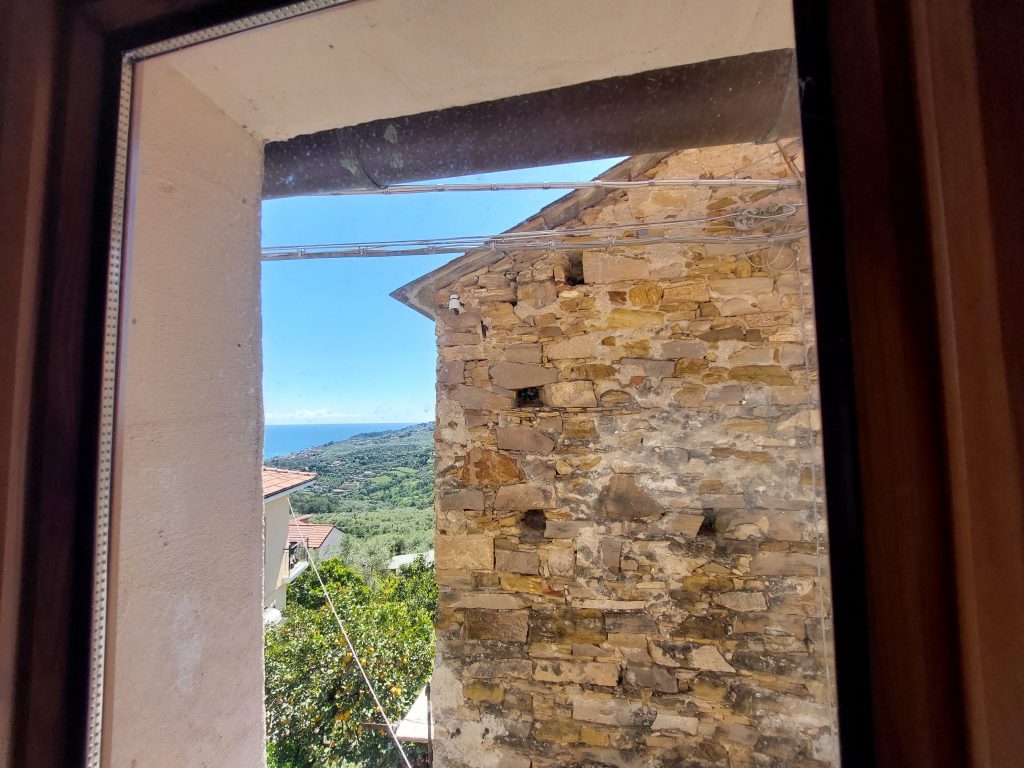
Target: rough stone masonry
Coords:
[(630, 525)]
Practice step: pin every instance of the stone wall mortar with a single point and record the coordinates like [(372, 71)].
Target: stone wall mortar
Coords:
[(630, 544)]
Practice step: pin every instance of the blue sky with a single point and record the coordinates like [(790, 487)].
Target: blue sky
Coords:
[(336, 347)]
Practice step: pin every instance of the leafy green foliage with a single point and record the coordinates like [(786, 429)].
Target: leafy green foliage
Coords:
[(378, 489), (394, 468), (317, 703)]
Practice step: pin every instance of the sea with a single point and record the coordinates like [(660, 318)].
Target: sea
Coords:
[(281, 439)]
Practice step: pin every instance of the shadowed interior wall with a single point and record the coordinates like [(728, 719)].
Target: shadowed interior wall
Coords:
[(185, 666), (276, 513)]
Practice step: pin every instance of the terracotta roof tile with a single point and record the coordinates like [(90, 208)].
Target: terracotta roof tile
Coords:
[(315, 535), (276, 481)]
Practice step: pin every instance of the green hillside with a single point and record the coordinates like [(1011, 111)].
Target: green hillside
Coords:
[(377, 488)]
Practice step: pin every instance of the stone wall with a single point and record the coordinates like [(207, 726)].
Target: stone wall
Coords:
[(630, 542)]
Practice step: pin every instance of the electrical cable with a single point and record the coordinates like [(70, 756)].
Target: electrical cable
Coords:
[(552, 245), (409, 189), (351, 647), (547, 239)]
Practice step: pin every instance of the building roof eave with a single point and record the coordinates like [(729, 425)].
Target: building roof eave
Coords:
[(419, 294)]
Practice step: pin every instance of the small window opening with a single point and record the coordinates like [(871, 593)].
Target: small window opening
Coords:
[(527, 397), (574, 269), (533, 524)]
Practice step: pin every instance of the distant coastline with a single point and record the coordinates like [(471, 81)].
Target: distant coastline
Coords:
[(282, 439)]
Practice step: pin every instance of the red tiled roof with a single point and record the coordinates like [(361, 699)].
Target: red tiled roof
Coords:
[(315, 535), (276, 481)]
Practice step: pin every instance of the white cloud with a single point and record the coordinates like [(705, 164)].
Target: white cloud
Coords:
[(389, 413)]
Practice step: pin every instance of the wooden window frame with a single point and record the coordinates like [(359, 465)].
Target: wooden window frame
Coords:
[(912, 119)]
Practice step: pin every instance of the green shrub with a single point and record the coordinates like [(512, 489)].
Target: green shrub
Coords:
[(317, 703)]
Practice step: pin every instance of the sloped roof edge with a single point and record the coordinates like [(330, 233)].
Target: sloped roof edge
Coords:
[(277, 482), (419, 294)]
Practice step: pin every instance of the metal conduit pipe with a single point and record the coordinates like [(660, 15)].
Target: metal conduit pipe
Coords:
[(748, 98)]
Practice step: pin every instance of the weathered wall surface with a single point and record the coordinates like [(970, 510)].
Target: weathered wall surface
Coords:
[(185, 662), (632, 565)]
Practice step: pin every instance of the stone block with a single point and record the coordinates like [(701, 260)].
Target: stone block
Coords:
[(492, 280), (461, 580), (615, 397), (768, 320), (495, 601), (631, 624), (645, 294), (657, 368), (593, 737), (689, 367), (501, 669), (784, 564), (611, 553), (517, 437), (725, 393), (634, 318), (524, 496), (458, 339), (556, 731), (522, 353), (692, 395), (707, 657), (564, 529), (688, 289), (773, 375), (510, 375), (580, 428), (451, 372), (530, 585), (761, 457), (593, 371), (609, 711), (725, 333), (477, 418), (480, 399), (571, 347), (464, 321), (681, 523), (742, 286), (465, 352), (483, 692), (514, 561), (566, 625), (672, 350), (469, 498), (509, 626), (602, 604), (483, 466), (623, 499), (770, 624), (560, 561), (537, 294), (466, 552), (662, 679), (752, 356), (666, 721), (569, 394), (605, 267), (601, 673), (737, 733), (742, 601)]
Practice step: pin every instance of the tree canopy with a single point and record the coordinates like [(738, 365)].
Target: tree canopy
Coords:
[(318, 706)]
